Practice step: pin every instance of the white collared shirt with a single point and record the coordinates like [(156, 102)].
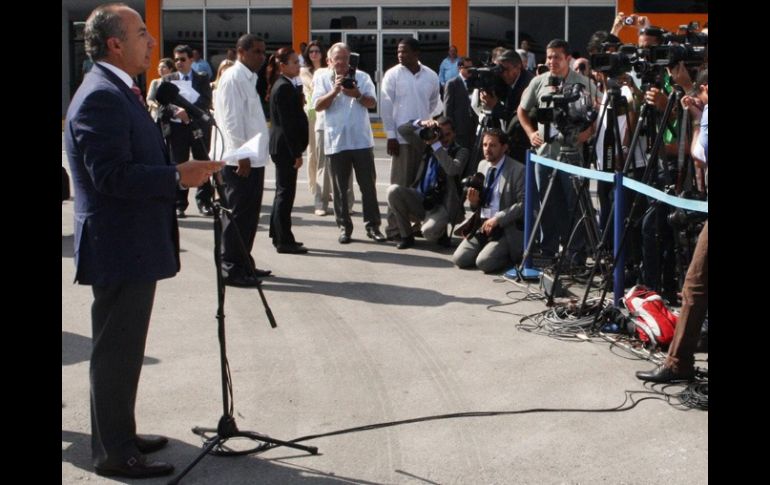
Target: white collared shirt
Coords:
[(238, 112), (123, 75), (346, 122), (406, 96)]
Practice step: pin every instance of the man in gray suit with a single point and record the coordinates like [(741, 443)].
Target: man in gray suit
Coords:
[(433, 197), (498, 243)]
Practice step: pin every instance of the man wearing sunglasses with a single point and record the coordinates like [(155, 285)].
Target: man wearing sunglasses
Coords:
[(184, 134)]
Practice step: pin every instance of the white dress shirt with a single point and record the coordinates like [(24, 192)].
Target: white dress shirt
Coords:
[(238, 113), (405, 96)]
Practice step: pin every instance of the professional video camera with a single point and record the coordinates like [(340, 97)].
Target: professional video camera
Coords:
[(487, 78), (615, 63), (572, 111), (349, 82)]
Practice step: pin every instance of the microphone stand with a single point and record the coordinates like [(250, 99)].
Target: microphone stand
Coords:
[(226, 428)]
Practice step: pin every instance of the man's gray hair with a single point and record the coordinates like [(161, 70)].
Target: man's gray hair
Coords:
[(337, 46), (103, 23)]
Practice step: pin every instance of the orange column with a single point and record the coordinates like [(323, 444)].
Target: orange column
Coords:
[(300, 22), (152, 15), (458, 26)]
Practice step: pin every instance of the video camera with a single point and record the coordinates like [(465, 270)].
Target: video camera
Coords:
[(648, 62), (487, 78), (572, 111)]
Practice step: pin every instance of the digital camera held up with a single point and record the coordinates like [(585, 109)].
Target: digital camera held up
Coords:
[(349, 82), (429, 133)]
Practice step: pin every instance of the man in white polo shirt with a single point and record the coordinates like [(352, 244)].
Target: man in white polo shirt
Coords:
[(348, 140)]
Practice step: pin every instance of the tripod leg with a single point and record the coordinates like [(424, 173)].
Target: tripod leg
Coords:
[(214, 441)]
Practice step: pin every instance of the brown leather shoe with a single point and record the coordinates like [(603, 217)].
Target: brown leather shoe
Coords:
[(148, 443), (134, 467)]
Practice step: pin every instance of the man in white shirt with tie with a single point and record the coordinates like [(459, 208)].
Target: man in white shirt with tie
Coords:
[(499, 242)]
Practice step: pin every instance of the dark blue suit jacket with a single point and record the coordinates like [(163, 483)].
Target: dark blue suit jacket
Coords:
[(125, 186)]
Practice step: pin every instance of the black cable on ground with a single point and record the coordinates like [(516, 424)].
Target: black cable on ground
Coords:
[(630, 399)]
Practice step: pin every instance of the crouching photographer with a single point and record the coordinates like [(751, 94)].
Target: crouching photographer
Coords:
[(493, 238), (434, 197)]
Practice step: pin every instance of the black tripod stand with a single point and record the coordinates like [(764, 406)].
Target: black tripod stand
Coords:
[(646, 116), (226, 428)]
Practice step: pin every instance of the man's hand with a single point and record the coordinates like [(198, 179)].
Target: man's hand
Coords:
[(182, 115), (488, 225), (488, 98), (535, 139), (473, 197), (657, 98), (193, 173), (244, 168), (297, 162), (393, 148), (433, 124)]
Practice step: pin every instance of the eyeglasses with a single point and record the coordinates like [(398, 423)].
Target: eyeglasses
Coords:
[(180, 59), (314, 51)]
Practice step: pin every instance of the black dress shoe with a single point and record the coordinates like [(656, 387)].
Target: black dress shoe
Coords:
[(291, 249), (135, 467), (180, 214), (344, 237), (444, 241), (406, 242), (262, 272), (150, 443), (242, 281), (374, 233), (665, 374), (206, 211)]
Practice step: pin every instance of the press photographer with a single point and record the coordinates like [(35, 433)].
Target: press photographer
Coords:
[(555, 221), (498, 207), (433, 198), (501, 86)]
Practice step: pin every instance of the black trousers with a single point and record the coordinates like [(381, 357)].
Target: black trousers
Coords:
[(181, 142), (285, 191), (120, 317), (244, 199)]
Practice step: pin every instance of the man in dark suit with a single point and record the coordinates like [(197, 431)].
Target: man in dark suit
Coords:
[(499, 241), (126, 236), (183, 130), (457, 106), (504, 109)]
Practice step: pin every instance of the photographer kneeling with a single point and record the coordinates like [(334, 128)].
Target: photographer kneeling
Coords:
[(433, 198), (496, 240)]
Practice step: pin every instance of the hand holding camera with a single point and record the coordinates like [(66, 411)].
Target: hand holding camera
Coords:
[(430, 132)]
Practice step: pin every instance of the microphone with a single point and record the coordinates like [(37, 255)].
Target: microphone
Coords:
[(168, 93)]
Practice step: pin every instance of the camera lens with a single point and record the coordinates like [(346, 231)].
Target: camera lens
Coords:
[(629, 21)]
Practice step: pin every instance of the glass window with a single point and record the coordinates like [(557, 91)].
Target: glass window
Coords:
[(344, 18), (223, 28), (181, 27), (671, 6), (584, 21), (415, 18), (273, 25), (434, 48), (540, 25), (491, 27)]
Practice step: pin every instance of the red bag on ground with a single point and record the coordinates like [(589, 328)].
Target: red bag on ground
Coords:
[(655, 324)]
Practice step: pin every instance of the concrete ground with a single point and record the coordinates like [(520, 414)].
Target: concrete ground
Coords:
[(370, 334)]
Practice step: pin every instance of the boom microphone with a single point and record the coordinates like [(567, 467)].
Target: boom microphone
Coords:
[(168, 93)]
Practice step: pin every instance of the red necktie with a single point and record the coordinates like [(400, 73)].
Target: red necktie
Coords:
[(138, 93)]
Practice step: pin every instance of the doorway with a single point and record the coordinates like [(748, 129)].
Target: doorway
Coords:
[(378, 53)]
